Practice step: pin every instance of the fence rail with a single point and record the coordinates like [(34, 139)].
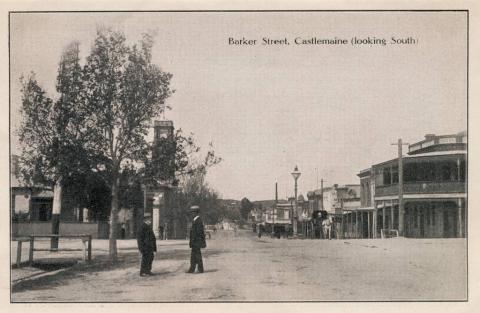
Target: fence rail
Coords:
[(86, 241)]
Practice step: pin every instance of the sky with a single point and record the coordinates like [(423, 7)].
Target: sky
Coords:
[(333, 110)]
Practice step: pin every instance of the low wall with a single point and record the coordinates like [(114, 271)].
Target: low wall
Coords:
[(98, 230)]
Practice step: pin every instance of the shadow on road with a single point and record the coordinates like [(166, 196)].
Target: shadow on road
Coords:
[(211, 271), (101, 264)]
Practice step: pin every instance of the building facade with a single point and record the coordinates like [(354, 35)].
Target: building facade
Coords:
[(339, 201), (428, 199), (31, 210), (358, 219)]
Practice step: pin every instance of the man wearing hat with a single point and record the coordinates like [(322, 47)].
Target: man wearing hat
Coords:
[(147, 245), (197, 240)]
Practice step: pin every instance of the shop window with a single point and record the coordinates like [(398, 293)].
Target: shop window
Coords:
[(415, 219), (433, 215), (427, 219)]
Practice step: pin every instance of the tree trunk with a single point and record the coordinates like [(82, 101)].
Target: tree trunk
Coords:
[(114, 221), (56, 210)]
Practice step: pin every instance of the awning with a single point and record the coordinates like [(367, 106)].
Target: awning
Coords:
[(369, 208)]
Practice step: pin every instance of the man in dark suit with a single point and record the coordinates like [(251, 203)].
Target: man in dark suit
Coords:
[(147, 245), (197, 240)]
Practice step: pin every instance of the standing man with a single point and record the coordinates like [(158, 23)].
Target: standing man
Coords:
[(147, 245), (327, 228), (197, 240)]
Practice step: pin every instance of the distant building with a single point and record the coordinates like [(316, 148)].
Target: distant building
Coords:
[(337, 201), (335, 198), (29, 203), (226, 224), (358, 220)]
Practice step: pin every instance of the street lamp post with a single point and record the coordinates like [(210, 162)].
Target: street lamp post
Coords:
[(295, 174)]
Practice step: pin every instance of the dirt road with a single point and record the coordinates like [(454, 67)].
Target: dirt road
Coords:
[(246, 268)]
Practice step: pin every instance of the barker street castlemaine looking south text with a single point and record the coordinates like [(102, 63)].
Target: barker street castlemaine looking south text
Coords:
[(335, 41)]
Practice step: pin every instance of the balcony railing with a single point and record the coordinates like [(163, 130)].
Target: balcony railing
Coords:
[(422, 187)]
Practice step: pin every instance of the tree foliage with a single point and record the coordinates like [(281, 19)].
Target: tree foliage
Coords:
[(55, 142), (196, 191), (245, 207)]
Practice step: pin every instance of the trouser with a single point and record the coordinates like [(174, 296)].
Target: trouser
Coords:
[(328, 233), (146, 265), (196, 259)]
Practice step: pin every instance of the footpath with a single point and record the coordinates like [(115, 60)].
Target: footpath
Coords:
[(46, 262)]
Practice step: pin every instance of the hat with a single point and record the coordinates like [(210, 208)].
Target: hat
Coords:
[(147, 215), (194, 208)]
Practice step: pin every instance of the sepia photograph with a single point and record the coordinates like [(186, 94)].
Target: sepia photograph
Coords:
[(238, 156)]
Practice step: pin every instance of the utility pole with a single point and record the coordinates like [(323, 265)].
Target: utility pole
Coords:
[(321, 195), (401, 209), (274, 208)]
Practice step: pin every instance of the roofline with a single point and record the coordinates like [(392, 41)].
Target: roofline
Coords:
[(459, 134), (424, 155)]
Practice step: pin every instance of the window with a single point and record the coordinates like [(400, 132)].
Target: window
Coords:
[(409, 172), (387, 176), (430, 171), (447, 140), (395, 174), (448, 171), (462, 170), (379, 176)]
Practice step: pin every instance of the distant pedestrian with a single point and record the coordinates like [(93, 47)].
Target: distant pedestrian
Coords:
[(147, 245), (161, 232), (197, 240), (327, 228)]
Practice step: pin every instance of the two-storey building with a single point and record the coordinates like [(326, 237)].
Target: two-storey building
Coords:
[(433, 191)]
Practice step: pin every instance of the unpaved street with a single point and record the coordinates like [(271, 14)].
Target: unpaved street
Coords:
[(246, 268)]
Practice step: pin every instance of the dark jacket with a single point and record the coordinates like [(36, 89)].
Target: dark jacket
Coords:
[(146, 240), (197, 234)]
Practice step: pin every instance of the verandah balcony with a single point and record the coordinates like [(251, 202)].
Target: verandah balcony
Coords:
[(422, 187)]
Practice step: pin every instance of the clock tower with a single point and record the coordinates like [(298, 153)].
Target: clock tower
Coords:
[(158, 188)]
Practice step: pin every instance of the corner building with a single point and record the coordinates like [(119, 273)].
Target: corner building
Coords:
[(434, 189)]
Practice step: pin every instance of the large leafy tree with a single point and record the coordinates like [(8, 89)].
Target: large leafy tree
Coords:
[(124, 92), (97, 128), (52, 134)]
